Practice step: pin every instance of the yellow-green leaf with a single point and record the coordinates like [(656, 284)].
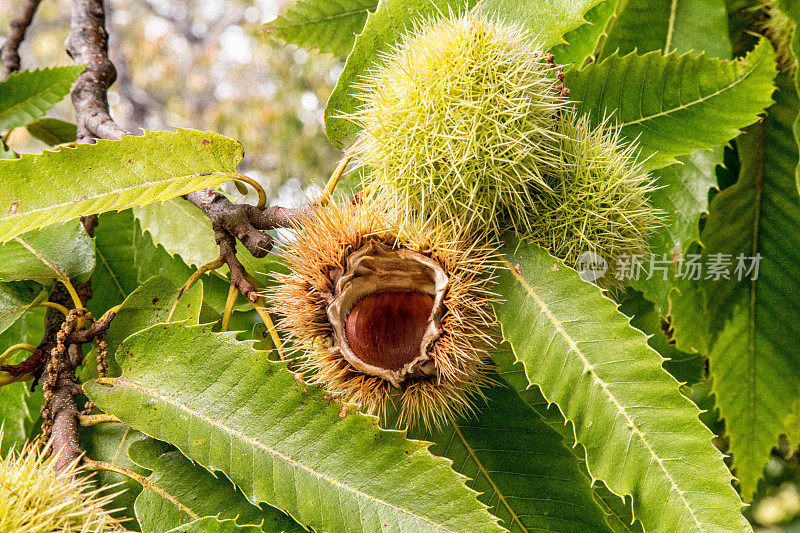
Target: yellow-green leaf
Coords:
[(27, 95), (754, 358), (58, 252), (60, 185)]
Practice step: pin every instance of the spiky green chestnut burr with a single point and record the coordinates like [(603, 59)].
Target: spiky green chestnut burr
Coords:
[(459, 123), (597, 200), (34, 498), (779, 28)]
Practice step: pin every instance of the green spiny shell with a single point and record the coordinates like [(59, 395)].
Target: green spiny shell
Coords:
[(459, 123)]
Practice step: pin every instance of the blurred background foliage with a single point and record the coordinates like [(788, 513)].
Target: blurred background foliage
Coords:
[(205, 64), (776, 505)]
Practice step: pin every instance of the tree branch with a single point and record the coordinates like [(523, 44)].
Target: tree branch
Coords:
[(9, 53), (88, 43), (95, 331), (65, 412), (245, 223), (58, 376)]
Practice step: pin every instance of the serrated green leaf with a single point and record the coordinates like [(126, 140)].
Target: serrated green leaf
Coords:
[(685, 367), (15, 299), (548, 20), (184, 231), (683, 196), (181, 228), (685, 301), (618, 511), (676, 104), (670, 25), (792, 9), (109, 442), (115, 276), (28, 329), (53, 131), (180, 491), (126, 257), (687, 317), (582, 42), (59, 252), (149, 304), (19, 410), (153, 260), (682, 193), (60, 185), (755, 359), (27, 95), (641, 436), (228, 408), (324, 25), (531, 488)]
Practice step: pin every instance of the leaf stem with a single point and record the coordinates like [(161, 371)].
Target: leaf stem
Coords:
[(262, 312), (208, 267), (260, 307), (334, 180), (113, 310), (76, 300), (92, 420), (21, 346), (262, 194), (54, 305), (233, 292)]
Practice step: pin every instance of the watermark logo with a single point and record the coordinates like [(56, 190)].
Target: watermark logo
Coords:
[(591, 266), (714, 267)]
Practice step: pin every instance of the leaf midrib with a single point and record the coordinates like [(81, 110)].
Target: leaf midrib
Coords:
[(666, 112), (319, 20), (588, 367), (751, 330), (38, 255), (673, 8), (488, 477), (15, 310), (116, 192), (253, 442)]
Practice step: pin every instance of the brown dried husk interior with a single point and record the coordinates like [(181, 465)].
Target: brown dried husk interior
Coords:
[(323, 242)]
